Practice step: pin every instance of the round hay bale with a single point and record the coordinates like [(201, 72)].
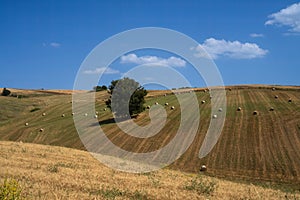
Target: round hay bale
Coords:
[(290, 100), (165, 95), (220, 109), (43, 114), (239, 109), (96, 112), (271, 109), (85, 114), (166, 104), (210, 97), (26, 124), (203, 168), (229, 89), (203, 102), (63, 115), (276, 96), (41, 130), (156, 103), (96, 116), (215, 116), (148, 107), (172, 107), (273, 89), (104, 109), (255, 112), (73, 113)]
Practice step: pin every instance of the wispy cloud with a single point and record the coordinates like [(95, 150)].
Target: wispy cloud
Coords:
[(153, 60), (55, 44), (236, 50), (52, 44), (289, 16), (256, 35), (101, 70)]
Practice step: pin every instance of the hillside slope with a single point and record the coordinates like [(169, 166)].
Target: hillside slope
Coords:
[(49, 172), (263, 147)]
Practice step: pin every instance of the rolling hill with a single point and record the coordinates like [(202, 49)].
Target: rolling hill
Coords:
[(259, 148)]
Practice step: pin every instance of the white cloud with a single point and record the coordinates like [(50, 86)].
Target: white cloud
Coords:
[(289, 16), (256, 35), (153, 60), (55, 44), (101, 70), (236, 50)]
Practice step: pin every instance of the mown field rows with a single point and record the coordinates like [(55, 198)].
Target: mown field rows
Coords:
[(263, 147)]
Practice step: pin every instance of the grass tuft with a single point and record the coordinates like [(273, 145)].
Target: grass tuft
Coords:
[(10, 189), (201, 185)]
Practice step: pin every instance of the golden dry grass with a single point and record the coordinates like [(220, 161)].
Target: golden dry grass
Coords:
[(49, 172)]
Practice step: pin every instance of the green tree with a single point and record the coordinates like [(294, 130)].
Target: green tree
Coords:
[(127, 97), (100, 88), (5, 92)]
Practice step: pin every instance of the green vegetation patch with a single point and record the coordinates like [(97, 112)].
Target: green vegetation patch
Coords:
[(10, 189)]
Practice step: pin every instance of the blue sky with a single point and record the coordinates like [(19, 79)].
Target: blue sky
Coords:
[(43, 43)]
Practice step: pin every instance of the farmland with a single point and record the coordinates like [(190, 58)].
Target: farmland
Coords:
[(256, 148)]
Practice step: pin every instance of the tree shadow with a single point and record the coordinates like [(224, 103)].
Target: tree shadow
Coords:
[(106, 121), (113, 121)]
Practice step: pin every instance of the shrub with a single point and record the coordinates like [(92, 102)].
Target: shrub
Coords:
[(5, 92), (201, 185), (10, 190)]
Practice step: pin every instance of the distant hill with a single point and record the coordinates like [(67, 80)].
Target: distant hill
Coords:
[(263, 147)]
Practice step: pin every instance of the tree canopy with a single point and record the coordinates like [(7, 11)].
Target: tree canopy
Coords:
[(127, 97), (100, 88), (5, 92)]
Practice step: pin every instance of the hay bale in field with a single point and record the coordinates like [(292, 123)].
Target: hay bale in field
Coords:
[(166, 104), (290, 100), (215, 116), (271, 109), (96, 116), (43, 114), (73, 113), (276, 96), (172, 107), (229, 89), (203, 102), (165, 95), (85, 114), (239, 109), (96, 112), (148, 107), (255, 112), (41, 130), (273, 89), (63, 115), (203, 168), (26, 124), (220, 109), (156, 103), (104, 109)]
